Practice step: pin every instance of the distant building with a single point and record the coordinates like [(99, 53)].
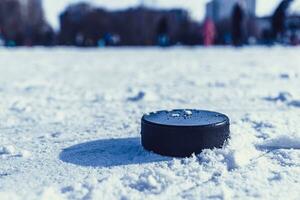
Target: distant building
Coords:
[(32, 11), (22, 22), (85, 25), (221, 9)]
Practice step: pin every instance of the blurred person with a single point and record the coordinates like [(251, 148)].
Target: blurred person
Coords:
[(294, 35), (267, 37), (237, 24), (208, 32), (278, 20), (162, 33), (294, 39), (2, 42), (46, 36)]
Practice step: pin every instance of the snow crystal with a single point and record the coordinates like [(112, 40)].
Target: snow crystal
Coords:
[(20, 106), (51, 194), (152, 181), (7, 195), (175, 115), (25, 154), (284, 76), (285, 97), (282, 142), (188, 112), (231, 158), (294, 103), (282, 97), (7, 150), (139, 96)]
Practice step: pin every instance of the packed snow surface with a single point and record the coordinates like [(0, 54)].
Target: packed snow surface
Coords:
[(70, 122)]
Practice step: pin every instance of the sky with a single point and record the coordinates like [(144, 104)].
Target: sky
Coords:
[(196, 7)]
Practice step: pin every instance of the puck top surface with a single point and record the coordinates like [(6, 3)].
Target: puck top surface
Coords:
[(186, 118)]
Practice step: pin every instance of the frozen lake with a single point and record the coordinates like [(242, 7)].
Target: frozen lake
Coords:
[(70, 122)]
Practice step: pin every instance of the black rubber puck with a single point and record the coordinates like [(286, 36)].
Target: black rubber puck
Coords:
[(180, 133)]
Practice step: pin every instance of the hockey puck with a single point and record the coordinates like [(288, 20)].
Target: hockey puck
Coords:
[(180, 133)]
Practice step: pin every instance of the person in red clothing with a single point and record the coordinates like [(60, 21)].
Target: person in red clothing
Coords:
[(209, 32)]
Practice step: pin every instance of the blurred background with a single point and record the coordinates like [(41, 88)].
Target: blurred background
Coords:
[(101, 23)]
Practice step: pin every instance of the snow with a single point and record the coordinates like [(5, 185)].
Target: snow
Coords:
[(285, 97), (70, 122)]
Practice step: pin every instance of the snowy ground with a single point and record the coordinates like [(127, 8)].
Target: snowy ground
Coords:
[(70, 123)]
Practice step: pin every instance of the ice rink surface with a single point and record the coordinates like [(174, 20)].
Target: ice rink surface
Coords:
[(70, 122)]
